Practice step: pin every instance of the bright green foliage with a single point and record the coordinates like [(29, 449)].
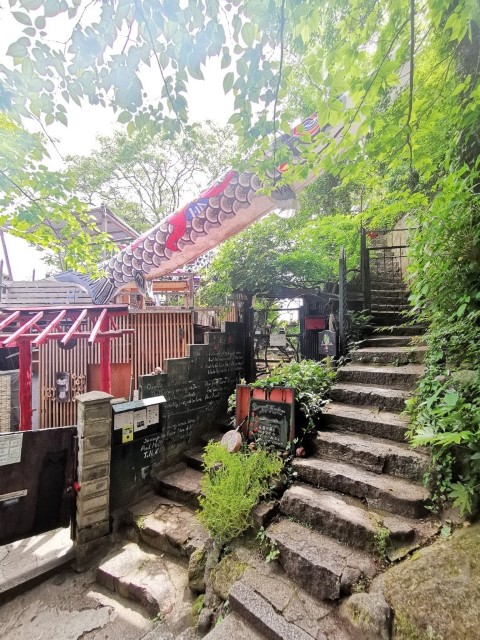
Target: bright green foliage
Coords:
[(37, 205), (143, 178), (310, 379), (232, 485)]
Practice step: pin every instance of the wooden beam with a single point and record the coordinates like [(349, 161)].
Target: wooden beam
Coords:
[(73, 328), (105, 365), (97, 326), (13, 316), (23, 329), (42, 337)]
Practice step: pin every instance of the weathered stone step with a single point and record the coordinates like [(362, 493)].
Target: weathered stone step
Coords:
[(266, 589), (374, 454), (386, 492), (183, 485), (388, 355), (396, 290), (386, 318), (234, 627), (216, 436), (319, 564), (294, 604), (344, 518), (388, 308), (384, 398), (381, 284), (194, 459), (401, 330), (367, 420), (387, 341), (159, 584), (403, 377), (261, 614), (168, 526)]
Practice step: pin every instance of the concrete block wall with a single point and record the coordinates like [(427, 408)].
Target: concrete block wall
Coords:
[(94, 451)]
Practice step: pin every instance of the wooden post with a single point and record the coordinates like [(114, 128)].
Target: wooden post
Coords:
[(25, 386), (105, 366), (248, 320)]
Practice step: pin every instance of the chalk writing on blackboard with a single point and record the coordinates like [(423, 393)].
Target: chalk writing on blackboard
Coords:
[(270, 421)]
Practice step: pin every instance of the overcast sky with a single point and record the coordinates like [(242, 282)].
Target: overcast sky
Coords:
[(206, 101)]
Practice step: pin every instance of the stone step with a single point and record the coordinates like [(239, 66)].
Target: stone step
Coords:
[(319, 564), (396, 292), (370, 395), (388, 355), (402, 377), (401, 330), (342, 517), (234, 627), (168, 526), (386, 492), (367, 420), (216, 436), (193, 458), (159, 584), (183, 485), (246, 602), (387, 341), (374, 454), (382, 284), (386, 318), (388, 307), (266, 588)]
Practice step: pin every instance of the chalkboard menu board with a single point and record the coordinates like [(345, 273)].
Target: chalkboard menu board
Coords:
[(270, 421), (197, 388)]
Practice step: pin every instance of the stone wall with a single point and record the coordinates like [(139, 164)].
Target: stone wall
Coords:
[(93, 472), (196, 389)]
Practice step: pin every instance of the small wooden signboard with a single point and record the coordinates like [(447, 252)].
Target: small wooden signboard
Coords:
[(270, 421), (327, 344), (270, 411)]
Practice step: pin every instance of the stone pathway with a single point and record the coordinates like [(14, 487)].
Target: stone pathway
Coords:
[(27, 559), (72, 606)]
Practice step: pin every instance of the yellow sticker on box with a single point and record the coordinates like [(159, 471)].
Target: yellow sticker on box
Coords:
[(127, 434)]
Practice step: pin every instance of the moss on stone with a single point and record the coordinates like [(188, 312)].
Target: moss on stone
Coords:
[(229, 570), (436, 594)]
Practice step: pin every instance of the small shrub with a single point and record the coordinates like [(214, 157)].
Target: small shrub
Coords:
[(381, 542), (268, 547), (232, 485), (198, 604), (311, 380)]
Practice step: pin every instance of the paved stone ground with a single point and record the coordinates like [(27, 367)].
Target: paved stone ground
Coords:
[(28, 558), (69, 606)]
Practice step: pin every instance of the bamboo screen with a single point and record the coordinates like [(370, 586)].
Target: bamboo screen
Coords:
[(158, 335)]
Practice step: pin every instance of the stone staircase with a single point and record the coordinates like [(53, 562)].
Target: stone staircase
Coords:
[(356, 502), (160, 563)]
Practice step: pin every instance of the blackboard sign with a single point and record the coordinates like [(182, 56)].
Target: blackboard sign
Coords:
[(270, 421), (131, 469), (197, 388), (327, 343)]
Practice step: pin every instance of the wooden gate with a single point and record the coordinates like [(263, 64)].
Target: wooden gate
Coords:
[(36, 481)]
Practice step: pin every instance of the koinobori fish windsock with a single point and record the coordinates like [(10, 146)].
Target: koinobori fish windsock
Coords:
[(225, 208)]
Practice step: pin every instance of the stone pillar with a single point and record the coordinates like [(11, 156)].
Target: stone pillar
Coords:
[(94, 419)]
